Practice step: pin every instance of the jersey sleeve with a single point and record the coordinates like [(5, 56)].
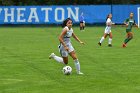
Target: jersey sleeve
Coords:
[(108, 20), (66, 28), (126, 20), (134, 22)]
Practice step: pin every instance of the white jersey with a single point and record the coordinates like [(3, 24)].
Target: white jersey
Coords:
[(67, 41), (108, 27), (67, 36)]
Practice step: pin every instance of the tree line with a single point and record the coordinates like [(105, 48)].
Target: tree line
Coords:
[(65, 2)]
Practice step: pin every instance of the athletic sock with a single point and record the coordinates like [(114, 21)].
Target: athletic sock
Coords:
[(102, 39), (110, 40), (58, 59), (127, 40), (77, 65)]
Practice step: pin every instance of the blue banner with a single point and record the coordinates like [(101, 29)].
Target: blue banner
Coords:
[(56, 14), (52, 14)]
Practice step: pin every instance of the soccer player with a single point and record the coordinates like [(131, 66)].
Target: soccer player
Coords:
[(129, 22), (66, 47), (82, 22), (107, 31)]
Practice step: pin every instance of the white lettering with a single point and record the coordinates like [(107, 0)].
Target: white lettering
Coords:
[(19, 15), (71, 13), (62, 14), (33, 14), (9, 15), (46, 13)]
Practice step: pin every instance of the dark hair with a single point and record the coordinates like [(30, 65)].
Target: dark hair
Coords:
[(107, 16), (65, 22)]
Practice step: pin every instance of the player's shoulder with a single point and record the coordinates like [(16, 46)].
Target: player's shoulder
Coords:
[(108, 20), (66, 28), (127, 19)]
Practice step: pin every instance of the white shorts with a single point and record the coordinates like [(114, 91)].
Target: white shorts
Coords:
[(107, 31), (63, 52)]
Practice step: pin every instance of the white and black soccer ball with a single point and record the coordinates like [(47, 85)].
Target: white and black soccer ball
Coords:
[(67, 70)]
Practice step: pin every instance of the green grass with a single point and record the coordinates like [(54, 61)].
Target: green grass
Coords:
[(25, 67)]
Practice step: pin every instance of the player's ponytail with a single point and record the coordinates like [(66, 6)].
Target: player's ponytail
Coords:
[(107, 17), (65, 22)]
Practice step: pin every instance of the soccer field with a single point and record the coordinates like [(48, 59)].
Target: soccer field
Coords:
[(25, 67)]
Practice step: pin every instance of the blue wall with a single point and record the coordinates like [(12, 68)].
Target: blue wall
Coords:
[(56, 14), (121, 12)]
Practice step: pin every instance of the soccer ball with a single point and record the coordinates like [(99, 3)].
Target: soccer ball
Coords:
[(67, 70)]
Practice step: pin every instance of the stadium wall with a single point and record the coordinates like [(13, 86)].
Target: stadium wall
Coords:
[(56, 14), (121, 12)]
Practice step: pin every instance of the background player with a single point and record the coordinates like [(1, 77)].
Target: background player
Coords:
[(82, 22), (107, 31), (129, 22)]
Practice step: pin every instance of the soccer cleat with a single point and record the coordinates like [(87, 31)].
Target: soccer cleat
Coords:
[(80, 73), (124, 45), (52, 55), (99, 44), (109, 45)]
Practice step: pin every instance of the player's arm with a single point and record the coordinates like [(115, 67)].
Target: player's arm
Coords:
[(126, 22), (77, 39), (113, 23), (109, 23), (135, 24), (61, 39)]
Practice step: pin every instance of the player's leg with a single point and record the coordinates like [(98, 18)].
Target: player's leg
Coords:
[(64, 54), (129, 37), (80, 26), (83, 25), (102, 39), (76, 61), (65, 60), (110, 40), (57, 58)]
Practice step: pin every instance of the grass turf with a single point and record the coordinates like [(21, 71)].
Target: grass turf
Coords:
[(25, 67)]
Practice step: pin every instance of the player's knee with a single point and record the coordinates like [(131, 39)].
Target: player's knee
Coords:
[(74, 58), (111, 37), (131, 37)]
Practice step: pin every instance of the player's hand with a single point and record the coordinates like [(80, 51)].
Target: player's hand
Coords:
[(66, 48), (136, 26), (126, 25), (82, 43)]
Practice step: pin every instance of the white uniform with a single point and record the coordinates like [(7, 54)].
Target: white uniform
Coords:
[(108, 28), (67, 41)]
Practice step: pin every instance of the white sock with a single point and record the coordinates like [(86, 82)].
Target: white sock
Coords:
[(58, 59), (102, 39), (110, 40), (77, 65)]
